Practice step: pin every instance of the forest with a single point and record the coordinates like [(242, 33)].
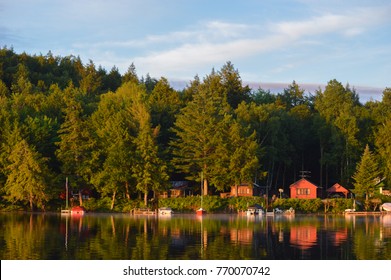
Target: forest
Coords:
[(122, 137)]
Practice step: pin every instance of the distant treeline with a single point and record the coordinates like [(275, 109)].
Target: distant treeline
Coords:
[(120, 136)]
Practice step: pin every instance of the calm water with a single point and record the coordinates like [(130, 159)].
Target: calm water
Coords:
[(120, 236)]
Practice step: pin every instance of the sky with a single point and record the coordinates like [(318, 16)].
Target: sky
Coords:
[(270, 42)]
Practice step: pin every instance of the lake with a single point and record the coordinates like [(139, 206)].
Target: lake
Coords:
[(46, 236)]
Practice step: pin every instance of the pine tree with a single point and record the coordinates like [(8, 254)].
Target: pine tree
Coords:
[(28, 176), (76, 146), (238, 159), (367, 175), (200, 129), (150, 172), (115, 130)]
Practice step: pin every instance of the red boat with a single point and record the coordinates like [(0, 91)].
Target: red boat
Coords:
[(201, 212), (78, 210)]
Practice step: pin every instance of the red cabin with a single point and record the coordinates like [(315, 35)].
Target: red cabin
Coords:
[(304, 189), (337, 191)]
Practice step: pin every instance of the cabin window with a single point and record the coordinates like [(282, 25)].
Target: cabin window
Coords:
[(303, 191)]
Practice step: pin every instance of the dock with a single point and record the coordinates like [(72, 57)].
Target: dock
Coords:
[(65, 212), (143, 211), (362, 213)]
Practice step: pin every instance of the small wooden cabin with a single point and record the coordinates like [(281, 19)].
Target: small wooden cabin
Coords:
[(178, 189), (337, 190), (304, 189), (245, 189)]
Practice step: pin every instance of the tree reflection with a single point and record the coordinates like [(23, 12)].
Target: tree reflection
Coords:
[(118, 236)]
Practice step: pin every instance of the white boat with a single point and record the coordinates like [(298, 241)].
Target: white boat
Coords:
[(290, 211), (254, 210), (386, 206), (165, 211)]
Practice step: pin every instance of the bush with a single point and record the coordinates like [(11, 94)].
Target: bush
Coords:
[(300, 205), (242, 203)]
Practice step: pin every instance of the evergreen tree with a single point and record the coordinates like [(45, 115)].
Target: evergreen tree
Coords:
[(233, 87), (150, 172), (238, 161), (340, 109), (91, 81), (111, 81), (367, 175), (115, 130), (200, 129), (130, 75), (76, 146), (383, 144), (164, 103), (28, 177)]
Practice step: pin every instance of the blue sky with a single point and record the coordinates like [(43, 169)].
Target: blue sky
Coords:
[(272, 41)]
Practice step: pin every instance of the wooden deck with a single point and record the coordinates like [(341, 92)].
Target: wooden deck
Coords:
[(143, 211), (366, 213)]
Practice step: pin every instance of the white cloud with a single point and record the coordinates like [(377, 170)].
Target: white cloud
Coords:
[(217, 42)]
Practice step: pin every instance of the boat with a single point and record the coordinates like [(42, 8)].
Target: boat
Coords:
[(270, 213), (290, 211), (386, 206), (254, 210), (166, 211), (78, 210), (201, 211)]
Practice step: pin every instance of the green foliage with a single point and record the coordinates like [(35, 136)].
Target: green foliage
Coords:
[(340, 109), (242, 203), (123, 136), (367, 175), (383, 144), (28, 178), (299, 205), (199, 128)]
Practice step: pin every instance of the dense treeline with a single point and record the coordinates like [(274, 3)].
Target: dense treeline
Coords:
[(123, 137)]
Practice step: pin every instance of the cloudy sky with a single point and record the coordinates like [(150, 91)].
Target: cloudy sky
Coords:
[(268, 41)]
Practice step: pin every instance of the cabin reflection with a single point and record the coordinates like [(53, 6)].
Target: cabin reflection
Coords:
[(339, 236), (241, 236), (303, 237), (74, 224)]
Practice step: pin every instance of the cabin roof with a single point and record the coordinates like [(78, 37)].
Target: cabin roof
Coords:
[(303, 182), (337, 188)]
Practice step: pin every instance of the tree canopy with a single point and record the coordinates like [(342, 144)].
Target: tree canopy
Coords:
[(122, 137)]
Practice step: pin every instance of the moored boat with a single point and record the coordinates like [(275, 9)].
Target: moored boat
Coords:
[(78, 210), (201, 211), (386, 206), (165, 211), (254, 210)]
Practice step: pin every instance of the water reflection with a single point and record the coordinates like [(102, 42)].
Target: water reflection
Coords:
[(120, 236), (303, 237)]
